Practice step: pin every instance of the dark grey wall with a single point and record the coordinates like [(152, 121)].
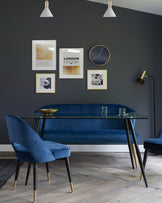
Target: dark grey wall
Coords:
[(134, 39)]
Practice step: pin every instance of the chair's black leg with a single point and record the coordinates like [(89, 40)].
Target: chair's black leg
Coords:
[(17, 173), (28, 172), (42, 130), (69, 174), (34, 180), (47, 169)]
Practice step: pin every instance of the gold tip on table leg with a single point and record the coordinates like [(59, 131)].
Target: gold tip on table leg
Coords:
[(135, 155), (15, 183), (71, 185), (35, 196), (48, 175)]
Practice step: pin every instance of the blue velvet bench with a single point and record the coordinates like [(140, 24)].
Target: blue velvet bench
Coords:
[(86, 131)]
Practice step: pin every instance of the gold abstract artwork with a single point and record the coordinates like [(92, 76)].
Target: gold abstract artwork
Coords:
[(71, 70), (43, 52)]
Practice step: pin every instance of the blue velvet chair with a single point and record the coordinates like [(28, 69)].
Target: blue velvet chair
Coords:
[(29, 147), (152, 145)]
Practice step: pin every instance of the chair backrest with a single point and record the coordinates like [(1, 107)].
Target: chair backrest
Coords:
[(21, 133), (160, 134)]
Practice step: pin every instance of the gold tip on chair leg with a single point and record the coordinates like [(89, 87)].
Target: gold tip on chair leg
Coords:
[(71, 185), (15, 183), (35, 196), (48, 176), (141, 176)]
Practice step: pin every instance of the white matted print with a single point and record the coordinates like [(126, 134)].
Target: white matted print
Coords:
[(71, 63), (44, 55), (97, 79), (45, 83)]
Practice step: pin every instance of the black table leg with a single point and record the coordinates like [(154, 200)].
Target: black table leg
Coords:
[(129, 142), (38, 125), (138, 151), (43, 125)]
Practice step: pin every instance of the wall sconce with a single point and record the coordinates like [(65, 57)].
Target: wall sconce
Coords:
[(46, 12), (109, 12), (141, 81)]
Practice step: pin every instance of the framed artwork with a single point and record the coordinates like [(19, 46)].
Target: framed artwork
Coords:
[(71, 63), (97, 79), (44, 55), (45, 83), (99, 55)]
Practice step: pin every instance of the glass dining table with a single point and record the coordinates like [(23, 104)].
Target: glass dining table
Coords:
[(128, 118)]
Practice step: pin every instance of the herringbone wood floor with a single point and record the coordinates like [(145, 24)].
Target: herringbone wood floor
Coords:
[(97, 178)]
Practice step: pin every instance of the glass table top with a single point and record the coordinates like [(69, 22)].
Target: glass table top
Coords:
[(84, 116)]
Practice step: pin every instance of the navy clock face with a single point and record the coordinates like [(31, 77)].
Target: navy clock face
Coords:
[(99, 55)]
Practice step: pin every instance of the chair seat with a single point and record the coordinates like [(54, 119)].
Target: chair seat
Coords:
[(154, 145), (58, 150)]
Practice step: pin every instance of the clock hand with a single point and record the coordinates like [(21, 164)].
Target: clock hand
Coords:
[(98, 54)]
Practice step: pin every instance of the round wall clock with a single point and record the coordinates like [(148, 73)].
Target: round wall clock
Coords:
[(99, 55)]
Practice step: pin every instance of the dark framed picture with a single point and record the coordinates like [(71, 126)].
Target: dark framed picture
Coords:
[(99, 55), (45, 83), (97, 79)]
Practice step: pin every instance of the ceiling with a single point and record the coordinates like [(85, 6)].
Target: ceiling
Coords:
[(148, 6)]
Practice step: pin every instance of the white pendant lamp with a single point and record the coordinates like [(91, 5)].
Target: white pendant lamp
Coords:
[(109, 12), (46, 12)]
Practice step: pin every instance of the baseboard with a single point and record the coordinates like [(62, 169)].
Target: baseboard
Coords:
[(84, 148)]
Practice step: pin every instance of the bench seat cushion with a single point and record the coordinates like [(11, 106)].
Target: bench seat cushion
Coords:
[(88, 136)]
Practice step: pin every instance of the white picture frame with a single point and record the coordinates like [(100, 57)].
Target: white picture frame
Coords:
[(97, 79), (43, 54), (71, 63), (45, 83)]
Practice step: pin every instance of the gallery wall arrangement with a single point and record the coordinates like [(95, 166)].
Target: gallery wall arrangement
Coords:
[(71, 65), (78, 57)]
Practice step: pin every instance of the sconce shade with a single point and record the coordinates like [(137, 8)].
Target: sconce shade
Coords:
[(46, 12), (109, 12), (141, 79)]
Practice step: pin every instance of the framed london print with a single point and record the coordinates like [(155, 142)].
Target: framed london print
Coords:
[(71, 63), (97, 79), (44, 55), (45, 83)]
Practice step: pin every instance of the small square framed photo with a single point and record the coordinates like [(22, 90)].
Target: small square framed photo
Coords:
[(97, 79), (44, 55), (45, 83)]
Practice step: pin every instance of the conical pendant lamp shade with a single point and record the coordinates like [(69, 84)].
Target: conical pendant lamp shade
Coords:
[(109, 12), (46, 12)]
